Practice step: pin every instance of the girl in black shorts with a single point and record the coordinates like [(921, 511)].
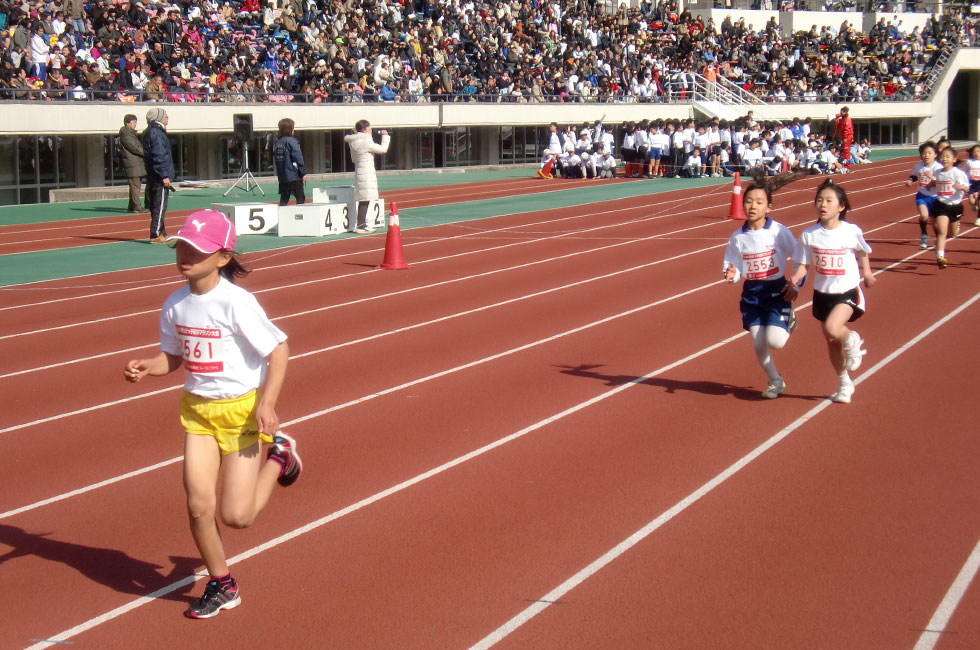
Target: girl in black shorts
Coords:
[(834, 253)]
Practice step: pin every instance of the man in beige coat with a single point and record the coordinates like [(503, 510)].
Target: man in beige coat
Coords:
[(132, 159), (362, 151)]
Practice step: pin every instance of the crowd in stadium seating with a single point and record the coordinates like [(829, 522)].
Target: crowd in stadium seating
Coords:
[(443, 50)]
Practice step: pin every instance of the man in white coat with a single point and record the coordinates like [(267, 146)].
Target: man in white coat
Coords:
[(362, 151)]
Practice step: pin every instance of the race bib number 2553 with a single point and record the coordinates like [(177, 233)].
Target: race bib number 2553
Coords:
[(759, 266), (201, 348)]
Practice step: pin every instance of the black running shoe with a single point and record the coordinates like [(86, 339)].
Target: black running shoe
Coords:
[(216, 598), (283, 448)]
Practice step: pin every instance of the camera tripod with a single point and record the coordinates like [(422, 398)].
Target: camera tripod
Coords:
[(249, 184)]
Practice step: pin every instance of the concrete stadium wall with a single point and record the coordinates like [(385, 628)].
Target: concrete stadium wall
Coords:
[(791, 22), (935, 120), (90, 118)]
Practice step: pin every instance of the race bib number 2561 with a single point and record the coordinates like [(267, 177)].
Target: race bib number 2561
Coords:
[(201, 348)]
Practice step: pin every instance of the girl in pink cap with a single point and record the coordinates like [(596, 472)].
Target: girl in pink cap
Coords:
[(234, 362)]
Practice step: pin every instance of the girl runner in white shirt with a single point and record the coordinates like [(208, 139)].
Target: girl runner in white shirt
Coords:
[(758, 251), (234, 360), (835, 254), (951, 186), (923, 175), (973, 172)]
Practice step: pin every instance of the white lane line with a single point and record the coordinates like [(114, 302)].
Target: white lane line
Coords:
[(365, 398), (409, 290), (615, 552), (387, 391), (660, 203), (421, 242), (937, 624), (357, 273), (388, 332), (139, 602), (119, 611), (110, 481)]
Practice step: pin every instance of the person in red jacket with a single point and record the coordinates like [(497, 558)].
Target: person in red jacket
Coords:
[(845, 132)]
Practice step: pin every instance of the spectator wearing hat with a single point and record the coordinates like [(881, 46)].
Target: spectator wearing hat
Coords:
[(159, 171), (132, 159)]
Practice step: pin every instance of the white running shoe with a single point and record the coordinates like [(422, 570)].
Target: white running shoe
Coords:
[(843, 394), (924, 241), (775, 388), (977, 222), (793, 320), (853, 351)]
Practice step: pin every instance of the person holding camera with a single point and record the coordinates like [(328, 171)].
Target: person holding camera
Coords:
[(362, 151)]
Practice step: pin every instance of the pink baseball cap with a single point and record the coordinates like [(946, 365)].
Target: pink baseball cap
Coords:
[(208, 231)]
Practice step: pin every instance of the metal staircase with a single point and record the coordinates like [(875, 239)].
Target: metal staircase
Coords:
[(721, 98), (938, 68)]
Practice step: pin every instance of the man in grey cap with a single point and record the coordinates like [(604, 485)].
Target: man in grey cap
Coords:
[(132, 160), (159, 170)]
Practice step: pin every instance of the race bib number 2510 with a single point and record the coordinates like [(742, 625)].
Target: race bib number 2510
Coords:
[(201, 348), (829, 261)]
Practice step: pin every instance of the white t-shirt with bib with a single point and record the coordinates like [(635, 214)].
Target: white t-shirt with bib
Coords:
[(973, 169), (946, 182), (919, 174), (223, 336), (832, 254), (760, 254)]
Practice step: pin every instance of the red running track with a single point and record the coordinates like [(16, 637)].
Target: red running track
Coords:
[(485, 431)]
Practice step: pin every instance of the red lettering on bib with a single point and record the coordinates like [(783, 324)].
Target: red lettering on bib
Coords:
[(201, 348), (759, 266), (829, 261)]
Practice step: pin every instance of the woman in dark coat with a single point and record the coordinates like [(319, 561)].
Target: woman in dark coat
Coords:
[(289, 164)]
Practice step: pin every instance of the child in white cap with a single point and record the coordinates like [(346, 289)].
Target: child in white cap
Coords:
[(234, 362)]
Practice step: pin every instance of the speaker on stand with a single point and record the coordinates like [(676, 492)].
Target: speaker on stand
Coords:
[(242, 127)]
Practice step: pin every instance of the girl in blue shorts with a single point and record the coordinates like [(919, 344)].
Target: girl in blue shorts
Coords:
[(758, 251), (924, 176), (234, 363)]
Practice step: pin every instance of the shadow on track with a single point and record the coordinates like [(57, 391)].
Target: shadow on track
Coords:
[(109, 567), (675, 385)]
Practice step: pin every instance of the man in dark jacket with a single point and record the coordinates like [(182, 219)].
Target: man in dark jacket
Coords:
[(132, 160), (289, 164), (159, 171)]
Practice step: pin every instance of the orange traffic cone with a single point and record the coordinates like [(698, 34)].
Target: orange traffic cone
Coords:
[(736, 211), (545, 172), (394, 254)]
